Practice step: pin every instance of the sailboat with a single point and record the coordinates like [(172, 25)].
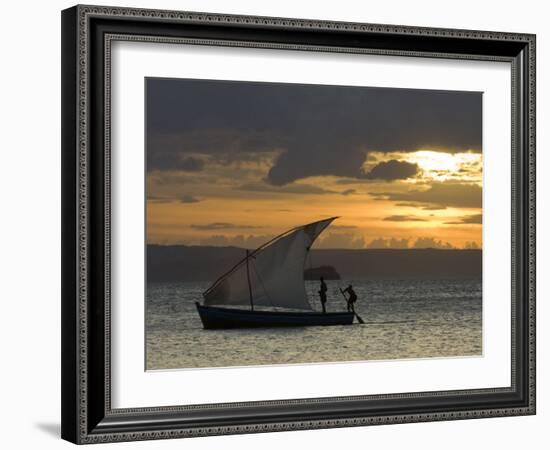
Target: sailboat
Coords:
[(270, 276)]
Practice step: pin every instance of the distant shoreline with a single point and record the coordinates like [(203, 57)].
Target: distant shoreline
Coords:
[(205, 263)]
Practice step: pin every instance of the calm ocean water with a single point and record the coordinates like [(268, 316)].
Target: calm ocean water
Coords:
[(404, 319)]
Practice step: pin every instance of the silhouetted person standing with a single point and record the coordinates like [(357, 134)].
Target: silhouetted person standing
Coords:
[(352, 298), (323, 294)]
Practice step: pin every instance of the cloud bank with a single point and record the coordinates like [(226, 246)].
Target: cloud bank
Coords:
[(316, 130), (438, 195), (393, 170)]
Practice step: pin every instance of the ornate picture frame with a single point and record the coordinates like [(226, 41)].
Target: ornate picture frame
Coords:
[(87, 413)]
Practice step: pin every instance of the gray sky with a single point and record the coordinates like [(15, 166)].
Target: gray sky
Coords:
[(319, 130)]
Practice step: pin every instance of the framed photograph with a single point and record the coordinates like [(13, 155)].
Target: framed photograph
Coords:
[(279, 224)]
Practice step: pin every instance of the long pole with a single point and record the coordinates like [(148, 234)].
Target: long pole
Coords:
[(249, 285)]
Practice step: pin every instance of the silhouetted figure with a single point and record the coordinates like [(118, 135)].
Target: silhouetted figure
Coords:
[(352, 298), (323, 294)]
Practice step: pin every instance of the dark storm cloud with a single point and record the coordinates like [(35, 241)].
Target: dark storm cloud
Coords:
[(288, 189), (439, 195), (318, 130), (175, 161), (393, 170), (426, 207), (191, 164), (475, 219), (433, 207), (166, 149), (185, 198), (348, 192), (403, 218), (182, 198), (222, 226)]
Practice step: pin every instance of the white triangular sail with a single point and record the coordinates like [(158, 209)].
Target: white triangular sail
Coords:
[(275, 271)]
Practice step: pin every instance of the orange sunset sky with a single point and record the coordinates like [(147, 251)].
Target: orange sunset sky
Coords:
[(231, 163)]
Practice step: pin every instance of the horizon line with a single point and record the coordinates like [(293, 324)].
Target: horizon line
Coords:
[(316, 249)]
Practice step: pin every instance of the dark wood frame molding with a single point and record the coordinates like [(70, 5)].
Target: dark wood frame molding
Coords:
[(87, 33)]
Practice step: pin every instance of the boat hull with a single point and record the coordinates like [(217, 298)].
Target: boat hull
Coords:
[(214, 317)]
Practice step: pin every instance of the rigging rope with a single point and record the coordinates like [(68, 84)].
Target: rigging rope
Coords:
[(263, 286)]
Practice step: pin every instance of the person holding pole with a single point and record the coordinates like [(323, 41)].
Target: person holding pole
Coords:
[(352, 298), (351, 301)]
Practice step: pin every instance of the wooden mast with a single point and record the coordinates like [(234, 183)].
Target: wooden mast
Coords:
[(249, 285)]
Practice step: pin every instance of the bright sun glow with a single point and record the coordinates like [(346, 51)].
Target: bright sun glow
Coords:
[(434, 161), (442, 166)]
